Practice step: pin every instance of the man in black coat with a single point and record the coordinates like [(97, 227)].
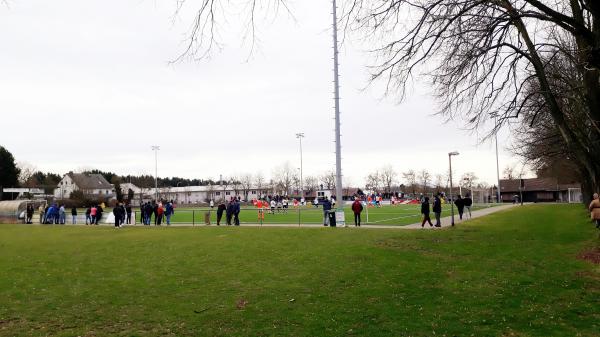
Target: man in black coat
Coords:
[(220, 210), (236, 212), (229, 212), (425, 212), (460, 205), (437, 210)]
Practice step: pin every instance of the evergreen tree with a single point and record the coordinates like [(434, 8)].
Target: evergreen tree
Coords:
[(9, 173)]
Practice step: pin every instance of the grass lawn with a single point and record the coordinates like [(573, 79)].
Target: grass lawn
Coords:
[(386, 215), (513, 273)]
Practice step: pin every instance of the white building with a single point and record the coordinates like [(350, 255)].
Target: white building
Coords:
[(202, 194), (89, 184)]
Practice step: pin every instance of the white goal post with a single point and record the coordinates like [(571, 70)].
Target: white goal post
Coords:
[(574, 195)]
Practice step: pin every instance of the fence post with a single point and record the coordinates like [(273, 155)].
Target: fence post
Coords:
[(298, 216), (193, 218)]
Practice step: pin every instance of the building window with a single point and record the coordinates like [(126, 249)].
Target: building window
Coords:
[(218, 193), (253, 192), (227, 193)]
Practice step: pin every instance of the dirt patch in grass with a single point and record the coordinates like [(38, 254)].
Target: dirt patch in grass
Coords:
[(591, 255)]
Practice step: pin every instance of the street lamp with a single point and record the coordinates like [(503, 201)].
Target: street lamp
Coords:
[(300, 135), (450, 154), (155, 148)]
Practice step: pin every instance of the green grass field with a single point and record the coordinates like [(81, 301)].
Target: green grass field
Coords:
[(386, 215), (513, 273)]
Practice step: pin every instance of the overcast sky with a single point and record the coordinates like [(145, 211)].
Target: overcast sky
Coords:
[(89, 84)]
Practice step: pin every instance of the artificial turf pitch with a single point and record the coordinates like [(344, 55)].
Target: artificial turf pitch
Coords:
[(512, 273)]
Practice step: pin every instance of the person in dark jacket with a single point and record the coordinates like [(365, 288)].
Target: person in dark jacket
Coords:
[(220, 209), (326, 210), (99, 212), (229, 212), (128, 212), (357, 208), (74, 215), (460, 205), (155, 210), (468, 203), (437, 210), (169, 211), (29, 213), (117, 213), (425, 212), (236, 212)]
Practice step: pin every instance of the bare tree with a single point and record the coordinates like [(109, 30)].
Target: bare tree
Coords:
[(425, 179), (311, 184), (468, 180), (388, 176), (27, 171), (372, 181), (246, 181), (328, 180), (509, 173), (439, 182), (284, 176), (410, 177), (259, 181), (483, 55)]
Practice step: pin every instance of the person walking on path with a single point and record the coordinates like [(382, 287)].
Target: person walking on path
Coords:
[(437, 210), (74, 215), (220, 209), (468, 201), (595, 210), (326, 209), (460, 205), (425, 211), (357, 208)]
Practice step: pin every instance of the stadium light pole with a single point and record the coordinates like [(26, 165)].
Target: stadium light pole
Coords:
[(450, 154), (338, 146), (155, 148), (497, 163), (300, 135)]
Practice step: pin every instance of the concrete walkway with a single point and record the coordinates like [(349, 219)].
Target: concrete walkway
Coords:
[(446, 222)]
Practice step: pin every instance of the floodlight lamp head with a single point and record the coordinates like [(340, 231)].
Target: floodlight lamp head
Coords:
[(453, 153), (300, 135)]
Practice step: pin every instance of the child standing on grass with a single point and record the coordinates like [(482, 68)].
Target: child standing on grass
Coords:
[(595, 210)]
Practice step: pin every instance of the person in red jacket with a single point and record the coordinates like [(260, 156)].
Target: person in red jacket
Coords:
[(357, 208)]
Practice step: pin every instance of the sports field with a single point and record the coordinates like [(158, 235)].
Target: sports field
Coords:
[(513, 273), (386, 215)]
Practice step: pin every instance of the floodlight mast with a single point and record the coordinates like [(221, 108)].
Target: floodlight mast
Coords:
[(155, 148), (300, 135), (338, 147)]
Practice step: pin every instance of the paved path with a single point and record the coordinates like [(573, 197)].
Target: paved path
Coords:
[(446, 221)]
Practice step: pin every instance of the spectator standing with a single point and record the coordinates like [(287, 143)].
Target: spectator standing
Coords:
[(29, 213), (425, 211), (42, 211), (437, 210), (128, 212), (220, 209), (326, 209), (160, 211), (74, 215), (99, 212), (93, 212), (169, 211), (595, 210), (236, 213), (357, 208), (229, 212), (62, 214)]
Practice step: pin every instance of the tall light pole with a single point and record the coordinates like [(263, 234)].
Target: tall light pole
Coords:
[(155, 148), (450, 154), (338, 146), (300, 135), (497, 163)]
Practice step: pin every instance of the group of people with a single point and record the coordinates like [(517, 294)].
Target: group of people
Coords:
[(52, 214), (93, 214), (232, 212), (159, 210), (461, 203), (122, 213)]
